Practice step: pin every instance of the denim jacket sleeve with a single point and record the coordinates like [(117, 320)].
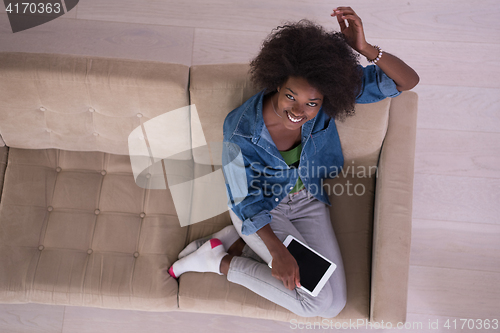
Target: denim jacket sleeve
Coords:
[(245, 199), (376, 85)]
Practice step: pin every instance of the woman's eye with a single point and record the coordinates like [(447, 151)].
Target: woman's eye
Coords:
[(290, 97)]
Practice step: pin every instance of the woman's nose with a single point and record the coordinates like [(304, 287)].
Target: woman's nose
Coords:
[(298, 112)]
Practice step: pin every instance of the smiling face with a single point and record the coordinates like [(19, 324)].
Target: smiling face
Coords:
[(297, 102)]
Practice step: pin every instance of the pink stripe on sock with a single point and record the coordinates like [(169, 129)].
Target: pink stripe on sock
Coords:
[(215, 242), (171, 272)]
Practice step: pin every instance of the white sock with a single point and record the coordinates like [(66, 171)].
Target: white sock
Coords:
[(227, 236), (206, 259)]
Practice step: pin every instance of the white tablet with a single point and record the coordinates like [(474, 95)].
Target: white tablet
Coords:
[(314, 268)]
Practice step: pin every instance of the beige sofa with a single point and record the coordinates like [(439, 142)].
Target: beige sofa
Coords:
[(76, 229)]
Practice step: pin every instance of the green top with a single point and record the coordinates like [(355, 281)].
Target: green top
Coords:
[(292, 158)]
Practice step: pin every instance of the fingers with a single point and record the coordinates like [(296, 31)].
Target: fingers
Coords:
[(341, 21), (353, 18), (344, 10), (288, 281), (291, 282), (344, 13)]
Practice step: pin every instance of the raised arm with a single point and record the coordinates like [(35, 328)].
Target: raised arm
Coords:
[(402, 74)]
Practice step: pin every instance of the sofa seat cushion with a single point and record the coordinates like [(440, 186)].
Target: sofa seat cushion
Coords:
[(75, 229)]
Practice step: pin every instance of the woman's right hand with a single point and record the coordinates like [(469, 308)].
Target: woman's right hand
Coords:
[(284, 265), (285, 268)]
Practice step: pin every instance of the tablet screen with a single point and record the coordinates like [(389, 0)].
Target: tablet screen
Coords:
[(311, 266)]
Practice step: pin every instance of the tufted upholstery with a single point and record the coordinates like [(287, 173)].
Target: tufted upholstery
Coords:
[(75, 228), (83, 104)]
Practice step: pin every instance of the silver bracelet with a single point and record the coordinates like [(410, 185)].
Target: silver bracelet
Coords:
[(374, 61)]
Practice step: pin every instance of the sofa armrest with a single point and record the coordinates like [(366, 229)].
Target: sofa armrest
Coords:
[(393, 213), (4, 151)]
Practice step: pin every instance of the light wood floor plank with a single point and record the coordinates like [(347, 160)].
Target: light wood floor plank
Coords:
[(104, 39), (458, 108), (455, 198), (90, 320), (457, 64), (31, 318), (454, 292), (462, 245), (225, 46), (457, 153), (86, 320), (437, 67), (418, 323), (447, 20)]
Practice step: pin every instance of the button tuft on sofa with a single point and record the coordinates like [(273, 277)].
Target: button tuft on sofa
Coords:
[(91, 110), (58, 169), (50, 208), (42, 108), (41, 247), (95, 134), (139, 115), (136, 254), (103, 172), (97, 211), (142, 215), (89, 251)]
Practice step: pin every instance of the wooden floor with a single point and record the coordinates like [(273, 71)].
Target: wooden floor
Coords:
[(454, 45)]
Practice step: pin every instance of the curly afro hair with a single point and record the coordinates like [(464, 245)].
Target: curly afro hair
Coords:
[(324, 59)]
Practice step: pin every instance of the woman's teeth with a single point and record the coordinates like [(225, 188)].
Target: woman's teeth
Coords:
[(292, 118)]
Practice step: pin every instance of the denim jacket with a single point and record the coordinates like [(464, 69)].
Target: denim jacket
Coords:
[(257, 177)]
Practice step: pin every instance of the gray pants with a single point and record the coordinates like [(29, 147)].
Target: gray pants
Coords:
[(308, 220)]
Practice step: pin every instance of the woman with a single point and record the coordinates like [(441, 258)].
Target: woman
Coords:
[(309, 77)]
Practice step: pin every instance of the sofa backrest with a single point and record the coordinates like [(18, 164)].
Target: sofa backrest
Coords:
[(92, 103), (83, 103)]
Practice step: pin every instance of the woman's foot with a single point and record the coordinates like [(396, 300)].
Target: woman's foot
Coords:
[(206, 259), (227, 236), (236, 249)]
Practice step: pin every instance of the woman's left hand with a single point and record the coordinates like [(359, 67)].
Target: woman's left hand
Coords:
[(354, 33)]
